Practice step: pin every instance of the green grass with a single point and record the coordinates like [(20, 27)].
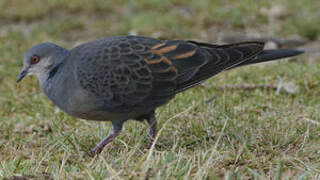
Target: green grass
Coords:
[(208, 132)]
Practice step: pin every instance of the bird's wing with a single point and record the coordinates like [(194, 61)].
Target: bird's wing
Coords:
[(115, 70), (188, 63), (143, 72), (171, 63)]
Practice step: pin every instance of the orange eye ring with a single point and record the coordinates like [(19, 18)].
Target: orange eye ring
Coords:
[(35, 59)]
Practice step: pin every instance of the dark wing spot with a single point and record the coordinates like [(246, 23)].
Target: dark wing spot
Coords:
[(143, 72), (124, 45), (138, 47), (114, 55), (114, 49), (125, 51)]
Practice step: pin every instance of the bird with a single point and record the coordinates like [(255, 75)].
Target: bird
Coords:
[(128, 77)]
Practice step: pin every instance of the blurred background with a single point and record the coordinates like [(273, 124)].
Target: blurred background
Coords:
[(38, 140), (68, 23)]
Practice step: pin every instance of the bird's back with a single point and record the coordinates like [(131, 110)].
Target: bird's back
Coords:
[(114, 71), (131, 73)]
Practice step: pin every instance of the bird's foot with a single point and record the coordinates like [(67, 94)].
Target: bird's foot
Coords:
[(99, 147), (153, 130)]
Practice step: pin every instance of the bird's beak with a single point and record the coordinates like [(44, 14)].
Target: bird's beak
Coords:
[(22, 75)]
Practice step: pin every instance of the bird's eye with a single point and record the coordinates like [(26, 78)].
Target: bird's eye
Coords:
[(35, 59)]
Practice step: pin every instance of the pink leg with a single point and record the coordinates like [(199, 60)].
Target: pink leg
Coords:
[(153, 130), (113, 134)]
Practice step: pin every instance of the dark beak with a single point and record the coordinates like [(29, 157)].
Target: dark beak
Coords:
[(22, 75)]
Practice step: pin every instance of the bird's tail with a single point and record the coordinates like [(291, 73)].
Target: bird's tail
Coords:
[(226, 57), (270, 55)]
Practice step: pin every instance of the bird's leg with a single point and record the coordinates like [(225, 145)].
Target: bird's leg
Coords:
[(152, 121), (113, 134)]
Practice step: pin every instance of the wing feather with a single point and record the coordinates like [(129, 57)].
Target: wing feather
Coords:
[(138, 72)]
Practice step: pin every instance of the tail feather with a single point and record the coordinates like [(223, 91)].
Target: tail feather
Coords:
[(227, 57), (220, 58), (271, 55)]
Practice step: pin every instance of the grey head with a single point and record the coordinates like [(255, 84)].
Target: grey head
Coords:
[(41, 59)]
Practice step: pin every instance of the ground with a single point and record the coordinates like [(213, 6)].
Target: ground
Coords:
[(238, 125)]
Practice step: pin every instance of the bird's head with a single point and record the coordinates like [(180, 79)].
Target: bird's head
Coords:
[(40, 59)]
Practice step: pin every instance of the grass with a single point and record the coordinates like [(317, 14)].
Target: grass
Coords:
[(208, 132)]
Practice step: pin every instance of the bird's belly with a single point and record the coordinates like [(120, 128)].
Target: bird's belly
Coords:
[(87, 108), (83, 104), (100, 115)]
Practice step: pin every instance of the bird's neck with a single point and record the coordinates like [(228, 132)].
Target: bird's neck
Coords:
[(43, 80), (46, 79)]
